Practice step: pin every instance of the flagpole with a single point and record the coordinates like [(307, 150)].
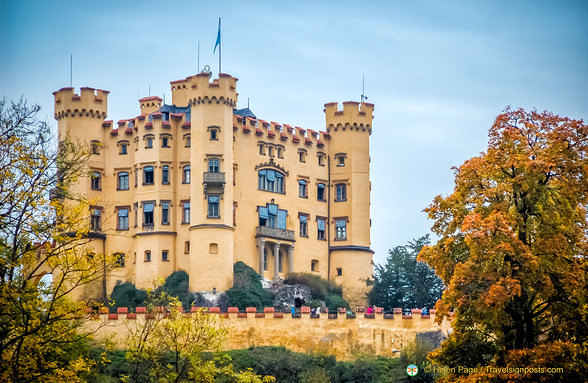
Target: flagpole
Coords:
[(219, 48)]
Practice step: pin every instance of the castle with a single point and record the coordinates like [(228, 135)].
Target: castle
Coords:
[(199, 185)]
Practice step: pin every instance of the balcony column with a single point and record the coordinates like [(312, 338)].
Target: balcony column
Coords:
[(261, 247), (291, 259), (276, 261)]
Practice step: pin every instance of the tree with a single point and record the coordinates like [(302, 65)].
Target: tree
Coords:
[(168, 346), (404, 282), (512, 246), (40, 327)]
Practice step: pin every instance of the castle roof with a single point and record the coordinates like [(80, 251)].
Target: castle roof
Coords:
[(176, 110), (245, 112)]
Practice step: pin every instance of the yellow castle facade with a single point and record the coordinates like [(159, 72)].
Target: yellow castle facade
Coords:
[(199, 185)]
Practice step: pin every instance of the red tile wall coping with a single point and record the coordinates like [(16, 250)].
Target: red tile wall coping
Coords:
[(305, 310), (268, 310), (112, 316), (122, 310), (233, 310), (251, 309)]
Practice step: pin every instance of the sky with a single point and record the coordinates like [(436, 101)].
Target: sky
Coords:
[(438, 72)]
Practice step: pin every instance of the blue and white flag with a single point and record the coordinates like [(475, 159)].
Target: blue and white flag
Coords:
[(217, 37)]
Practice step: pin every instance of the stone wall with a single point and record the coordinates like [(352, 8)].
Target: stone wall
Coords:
[(341, 336)]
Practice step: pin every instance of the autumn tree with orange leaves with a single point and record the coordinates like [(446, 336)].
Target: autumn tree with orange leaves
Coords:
[(512, 252)]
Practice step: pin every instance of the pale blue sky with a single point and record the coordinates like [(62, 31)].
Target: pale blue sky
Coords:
[(438, 71)]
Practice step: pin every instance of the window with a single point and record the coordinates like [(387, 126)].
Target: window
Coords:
[(187, 141), (302, 155), (262, 149), (148, 215), (213, 165), (165, 174), (165, 142), (271, 216), (96, 147), (213, 134), (341, 227), (339, 271), (136, 177), (271, 180), (95, 183), (213, 202), (165, 212), (187, 247), (148, 142), (164, 255), (265, 259), (119, 260), (123, 148), (302, 189), (148, 175), (320, 223), (341, 190), (280, 152), (314, 265), (123, 181), (340, 159), (95, 214), (136, 209), (122, 222), (147, 255), (186, 212), (186, 174), (279, 260), (303, 218), (321, 159), (270, 151), (320, 192)]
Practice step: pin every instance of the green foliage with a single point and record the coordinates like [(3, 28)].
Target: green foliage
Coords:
[(247, 290), (126, 295), (335, 301), (320, 288), (403, 281), (177, 285)]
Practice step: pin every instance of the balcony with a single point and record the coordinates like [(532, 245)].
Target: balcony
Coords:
[(273, 232), (213, 180)]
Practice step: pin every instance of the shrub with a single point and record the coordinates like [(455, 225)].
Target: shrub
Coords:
[(320, 288), (334, 301), (126, 295), (177, 285), (247, 290)]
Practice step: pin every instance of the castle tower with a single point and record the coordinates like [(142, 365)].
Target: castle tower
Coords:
[(211, 190), (349, 169), (80, 118)]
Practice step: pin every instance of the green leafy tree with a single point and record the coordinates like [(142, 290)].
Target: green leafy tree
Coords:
[(41, 333), (403, 281), (168, 346), (512, 250)]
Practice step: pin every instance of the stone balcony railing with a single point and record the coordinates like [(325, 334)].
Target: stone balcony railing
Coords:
[(214, 178), (272, 232)]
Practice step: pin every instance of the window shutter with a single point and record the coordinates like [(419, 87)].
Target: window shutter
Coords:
[(273, 209), (263, 212), (148, 208), (321, 224), (282, 219), (303, 219)]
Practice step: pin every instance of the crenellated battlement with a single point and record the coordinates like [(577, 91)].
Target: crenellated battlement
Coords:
[(281, 132), (198, 89), (150, 104), (354, 115), (89, 102)]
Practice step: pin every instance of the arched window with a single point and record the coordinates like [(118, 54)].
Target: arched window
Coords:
[(96, 183), (270, 180), (302, 189), (213, 165), (165, 174), (341, 190), (148, 175), (123, 181), (186, 174)]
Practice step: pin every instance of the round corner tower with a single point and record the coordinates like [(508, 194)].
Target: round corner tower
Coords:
[(211, 194), (349, 170)]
